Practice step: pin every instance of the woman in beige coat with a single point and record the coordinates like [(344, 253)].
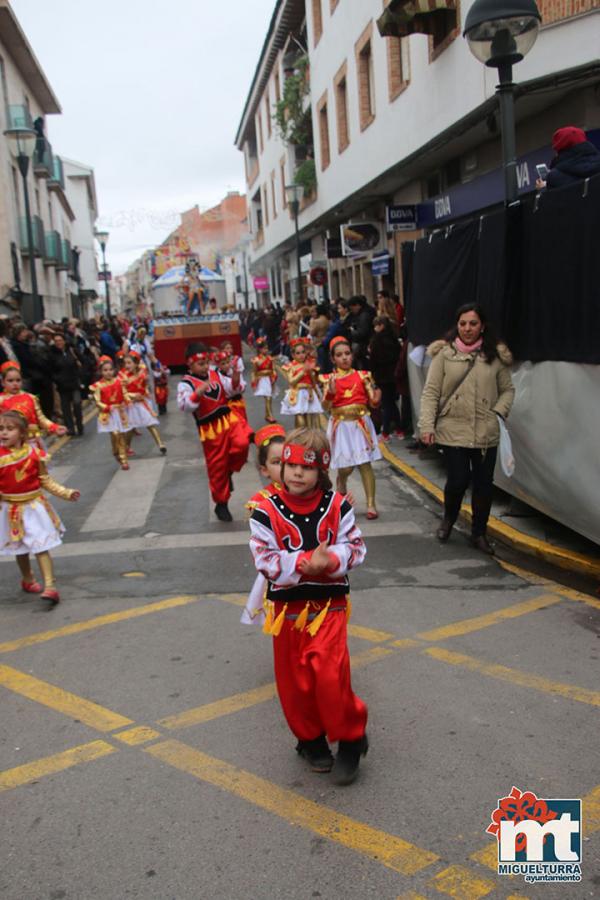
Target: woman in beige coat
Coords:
[(468, 386)]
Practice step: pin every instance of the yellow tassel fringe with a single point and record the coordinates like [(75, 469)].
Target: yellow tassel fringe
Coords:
[(348, 608), (300, 622), (278, 623), (268, 624), (318, 621)]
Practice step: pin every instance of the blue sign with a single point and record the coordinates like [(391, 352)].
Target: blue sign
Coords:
[(380, 265), (401, 218), (488, 190)]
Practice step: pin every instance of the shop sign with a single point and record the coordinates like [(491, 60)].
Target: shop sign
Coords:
[(360, 238), (402, 217), (261, 283)]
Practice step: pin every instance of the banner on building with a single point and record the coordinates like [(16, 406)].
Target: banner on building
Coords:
[(401, 217), (261, 283)]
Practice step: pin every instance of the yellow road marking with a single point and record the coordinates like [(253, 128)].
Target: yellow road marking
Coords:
[(236, 599), (553, 586), (140, 734), (458, 882), (591, 811), (29, 772), (516, 676), (411, 896), (487, 856), (406, 643), (133, 575), (369, 634), (387, 849), (219, 708), (41, 637), (237, 702), (62, 701), (477, 623)]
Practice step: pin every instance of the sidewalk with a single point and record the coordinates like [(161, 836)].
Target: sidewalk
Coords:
[(512, 522)]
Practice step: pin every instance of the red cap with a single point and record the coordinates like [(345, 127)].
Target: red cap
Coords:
[(265, 435), (339, 339), (567, 137), (104, 359), (8, 365), (135, 355)]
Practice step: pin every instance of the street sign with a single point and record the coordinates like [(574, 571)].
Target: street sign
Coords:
[(318, 276), (105, 276), (402, 218), (380, 265)]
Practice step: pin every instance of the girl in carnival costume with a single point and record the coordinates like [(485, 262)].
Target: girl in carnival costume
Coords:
[(28, 523), (140, 413), (264, 377), (112, 400), (348, 395), (302, 397), (304, 540), (14, 397)]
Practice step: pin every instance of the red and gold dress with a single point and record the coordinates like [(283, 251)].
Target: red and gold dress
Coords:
[(141, 413), (308, 613), (350, 430), (263, 376), (29, 406), (28, 523), (302, 396), (111, 398)]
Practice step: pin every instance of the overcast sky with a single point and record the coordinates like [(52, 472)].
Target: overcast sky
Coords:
[(152, 94)]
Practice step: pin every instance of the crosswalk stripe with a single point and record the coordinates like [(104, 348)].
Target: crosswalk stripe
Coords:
[(128, 498), (50, 765)]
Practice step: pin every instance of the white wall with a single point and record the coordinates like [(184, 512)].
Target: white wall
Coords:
[(79, 180)]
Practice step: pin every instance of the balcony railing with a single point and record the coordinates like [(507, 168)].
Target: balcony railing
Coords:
[(65, 261), (57, 177), (19, 116), (53, 248), (39, 243), (43, 160)]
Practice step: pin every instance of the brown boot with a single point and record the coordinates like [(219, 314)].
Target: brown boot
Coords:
[(481, 543), (443, 532)]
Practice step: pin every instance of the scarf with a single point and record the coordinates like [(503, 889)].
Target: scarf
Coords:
[(468, 348)]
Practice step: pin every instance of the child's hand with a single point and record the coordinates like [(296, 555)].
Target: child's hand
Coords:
[(318, 562), (61, 430), (75, 496), (331, 385), (201, 389), (350, 498)]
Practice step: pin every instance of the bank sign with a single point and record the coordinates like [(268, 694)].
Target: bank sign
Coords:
[(401, 218)]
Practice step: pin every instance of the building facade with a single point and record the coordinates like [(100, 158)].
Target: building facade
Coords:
[(81, 194), (377, 127)]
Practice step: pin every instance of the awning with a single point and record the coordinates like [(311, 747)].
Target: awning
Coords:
[(404, 17)]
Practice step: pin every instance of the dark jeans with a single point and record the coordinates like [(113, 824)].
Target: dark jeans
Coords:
[(465, 465), (45, 393), (70, 402), (389, 407)]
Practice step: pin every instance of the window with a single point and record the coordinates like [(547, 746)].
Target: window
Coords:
[(323, 131), (273, 194), (366, 86), (265, 203), (261, 143), (317, 16), (268, 112), (277, 85), (282, 171), (4, 89), (445, 29), (341, 107), (398, 71)]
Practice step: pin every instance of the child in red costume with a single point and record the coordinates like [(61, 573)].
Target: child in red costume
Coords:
[(204, 393), (28, 523), (112, 400), (302, 399), (304, 540), (264, 377), (348, 395), (141, 413), (14, 397)]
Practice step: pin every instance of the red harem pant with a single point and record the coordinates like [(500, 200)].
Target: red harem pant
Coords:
[(225, 443), (313, 681)]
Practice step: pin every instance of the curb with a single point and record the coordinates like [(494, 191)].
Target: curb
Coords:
[(557, 556)]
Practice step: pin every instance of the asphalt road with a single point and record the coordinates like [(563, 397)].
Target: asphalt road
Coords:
[(143, 753)]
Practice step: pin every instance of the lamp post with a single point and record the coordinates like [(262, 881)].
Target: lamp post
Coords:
[(500, 33), (294, 194), (22, 143), (102, 238)]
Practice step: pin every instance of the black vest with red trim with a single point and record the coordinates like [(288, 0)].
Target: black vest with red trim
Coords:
[(213, 402), (305, 531)]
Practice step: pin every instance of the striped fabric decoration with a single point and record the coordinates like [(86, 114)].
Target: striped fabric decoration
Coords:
[(404, 17)]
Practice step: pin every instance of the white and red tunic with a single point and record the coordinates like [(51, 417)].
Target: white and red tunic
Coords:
[(302, 396), (29, 406), (350, 430), (141, 412), (110, 396), (263, 376)]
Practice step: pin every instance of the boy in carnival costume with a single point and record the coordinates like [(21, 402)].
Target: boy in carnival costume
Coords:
[(304, 540), (204, 393)]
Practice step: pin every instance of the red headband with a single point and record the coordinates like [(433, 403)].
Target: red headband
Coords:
[(297, 455), (9, 364), (265, 435), (261, 342), (104, 359), (300, 342), (221, 356), (135, 355), (339, 339), (197, 357)]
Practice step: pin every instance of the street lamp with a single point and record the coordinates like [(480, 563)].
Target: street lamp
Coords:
[(294, 194), (500, 33), (102, 238), (22, 143)]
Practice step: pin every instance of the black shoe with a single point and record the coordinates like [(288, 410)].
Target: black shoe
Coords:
[(443, 532), (345, 767), (71, 433), (163, 450), (222, 513), (316, 753), (80, 431), (481, 543)]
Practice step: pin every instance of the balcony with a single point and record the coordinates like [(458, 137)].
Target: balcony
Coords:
[(18, 116), (65, 260), (259, 239), (53, 248), (56, 180), (39, 243), (43, 160)]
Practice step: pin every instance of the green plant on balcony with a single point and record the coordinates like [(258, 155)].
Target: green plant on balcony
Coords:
[(306, 175), (292, 120)]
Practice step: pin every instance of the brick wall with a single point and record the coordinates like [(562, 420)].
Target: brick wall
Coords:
[(555, 10)]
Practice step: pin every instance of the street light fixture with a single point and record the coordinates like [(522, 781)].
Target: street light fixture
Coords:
[(500, 34), (102, 238), (294, 194), (22, 142)]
